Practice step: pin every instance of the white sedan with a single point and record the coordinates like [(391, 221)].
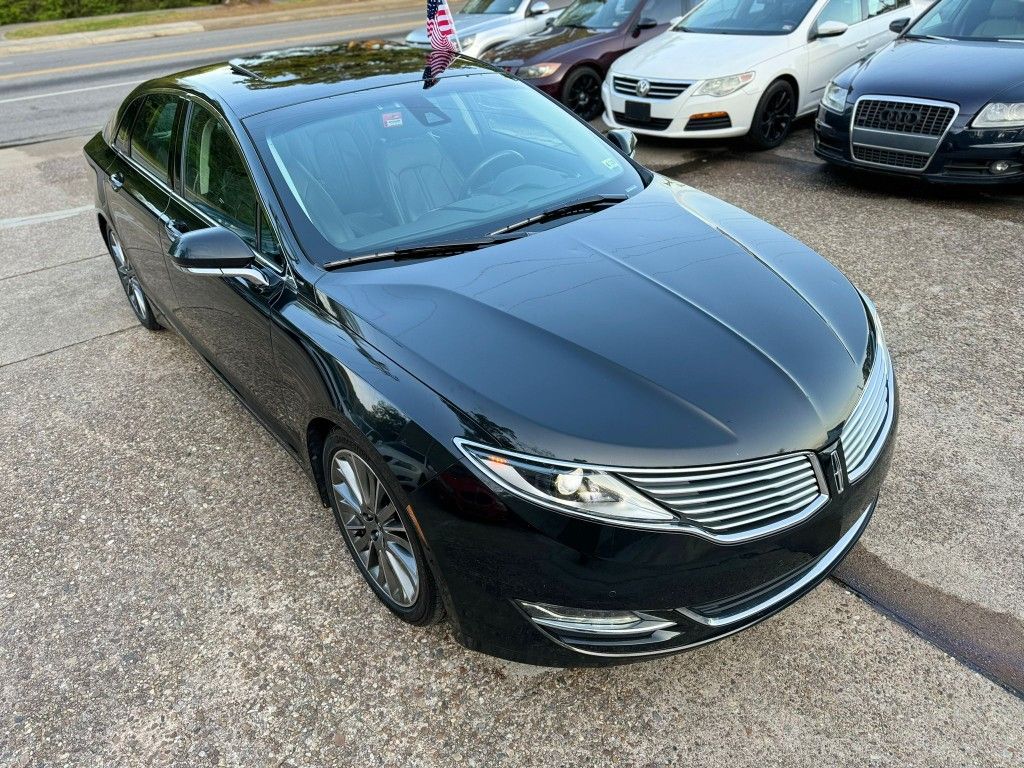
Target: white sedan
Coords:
[(745, 67), (485, 24)]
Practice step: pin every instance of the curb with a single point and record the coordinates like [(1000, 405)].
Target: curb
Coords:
[(103, 37)]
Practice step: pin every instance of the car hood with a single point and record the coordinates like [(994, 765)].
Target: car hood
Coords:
[(967, 73), (548, 44), (468, 24), (693, 56), (671, 329)]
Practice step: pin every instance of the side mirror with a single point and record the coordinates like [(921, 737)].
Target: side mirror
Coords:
[(539, 8), (645, 23), (899, 25), (831, 29), (624, 139), (216, 252)]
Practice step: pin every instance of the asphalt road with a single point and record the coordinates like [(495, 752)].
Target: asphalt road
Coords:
[(58, 93), (172, 593)]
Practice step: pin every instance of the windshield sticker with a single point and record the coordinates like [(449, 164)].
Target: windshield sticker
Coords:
[(392, 119), (612, 164)]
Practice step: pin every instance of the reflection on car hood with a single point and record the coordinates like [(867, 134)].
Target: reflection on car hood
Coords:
[(638, 335), (548, 44), (468, 24), (967, 73), (691, 56)]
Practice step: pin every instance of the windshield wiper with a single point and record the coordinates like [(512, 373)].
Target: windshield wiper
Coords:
[(930, 37), (424, 251), (586, 205)]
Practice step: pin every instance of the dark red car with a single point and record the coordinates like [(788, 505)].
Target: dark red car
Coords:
[(570, 58)]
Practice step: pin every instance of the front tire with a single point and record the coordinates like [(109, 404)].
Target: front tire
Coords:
[(370, 509), (774, 116), (137, 298), (581, 92)]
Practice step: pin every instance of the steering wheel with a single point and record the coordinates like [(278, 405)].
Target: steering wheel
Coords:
[(505, 155)]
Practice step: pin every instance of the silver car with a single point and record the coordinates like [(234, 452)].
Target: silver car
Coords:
[(483, 24)]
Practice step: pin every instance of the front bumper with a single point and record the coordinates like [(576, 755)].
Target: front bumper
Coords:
[(671, 118), (964, 156), (492, 550)]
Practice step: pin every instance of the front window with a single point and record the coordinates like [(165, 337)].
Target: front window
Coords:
[(972, 20), (401, 167), (746, 17), (491, 6), (598, 14)]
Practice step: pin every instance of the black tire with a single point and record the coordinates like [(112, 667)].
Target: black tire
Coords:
[(774, 116), (581, 92), (425, 607), (137, 298)]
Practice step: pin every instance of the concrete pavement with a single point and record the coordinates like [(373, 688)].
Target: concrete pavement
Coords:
[(147, 619)]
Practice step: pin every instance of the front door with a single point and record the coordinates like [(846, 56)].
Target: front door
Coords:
[(139, 192), (226, 318), (828, 56)]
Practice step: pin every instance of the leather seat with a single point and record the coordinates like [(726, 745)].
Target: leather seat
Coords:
[(1006, 19), (418, 177)]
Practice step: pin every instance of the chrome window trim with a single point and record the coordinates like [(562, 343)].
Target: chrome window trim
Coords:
[(286, 271), (901, 100), (675, 527)]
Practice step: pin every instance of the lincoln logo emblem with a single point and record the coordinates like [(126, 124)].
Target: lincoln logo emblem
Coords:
[(836, 466), (643, 88)]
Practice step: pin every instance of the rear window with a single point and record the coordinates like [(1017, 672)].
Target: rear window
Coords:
[(153, 132)]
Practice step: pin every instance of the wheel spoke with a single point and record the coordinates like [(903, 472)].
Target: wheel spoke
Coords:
[(402, 565)]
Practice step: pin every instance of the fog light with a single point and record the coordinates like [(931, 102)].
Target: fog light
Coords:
[(594, 623), (1000, 166)]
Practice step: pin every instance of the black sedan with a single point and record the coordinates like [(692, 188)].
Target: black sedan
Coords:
[(590, 413), (943, 102)]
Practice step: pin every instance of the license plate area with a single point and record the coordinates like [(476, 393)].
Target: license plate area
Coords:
[(639, 111)]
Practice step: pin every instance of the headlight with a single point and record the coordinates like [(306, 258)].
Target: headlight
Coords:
[(537, 71), (467, 41), (834, 97), (999, 115), (574, 489), (723, 86)]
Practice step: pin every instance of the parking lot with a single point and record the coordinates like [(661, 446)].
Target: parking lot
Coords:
[(173, 593)]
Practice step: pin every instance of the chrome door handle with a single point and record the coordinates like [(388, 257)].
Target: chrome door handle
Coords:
[(862, 45), (116, 181)]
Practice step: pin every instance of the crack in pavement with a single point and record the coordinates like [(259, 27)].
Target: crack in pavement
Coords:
[(52, 266)]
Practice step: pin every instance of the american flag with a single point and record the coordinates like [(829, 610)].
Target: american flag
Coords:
[(441, 27), (437, 63)]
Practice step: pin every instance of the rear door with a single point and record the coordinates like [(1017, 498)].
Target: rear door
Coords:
[(139, 182), (226, 318), (828, 56)]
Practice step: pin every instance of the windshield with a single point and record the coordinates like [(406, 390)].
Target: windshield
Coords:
[(491, 6), (597, 14), (399, 167), (746, 17), (972, 20)]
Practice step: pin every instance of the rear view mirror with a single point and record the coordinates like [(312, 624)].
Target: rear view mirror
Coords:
[(899, 25), (624, 139), (216, 252), (831, 29)]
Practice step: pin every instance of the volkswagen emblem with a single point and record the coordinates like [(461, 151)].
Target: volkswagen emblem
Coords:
[(643, 88)]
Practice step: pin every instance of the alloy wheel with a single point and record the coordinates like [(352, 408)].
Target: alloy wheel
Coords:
[(374, 528), (778, 114), (584, 97), (129, 280)]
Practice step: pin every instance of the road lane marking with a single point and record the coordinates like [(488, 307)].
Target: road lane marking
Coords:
[(42, 218), (68, 92), (252, 45)]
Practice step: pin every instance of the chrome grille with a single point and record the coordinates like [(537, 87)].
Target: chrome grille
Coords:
[(737, 502), (903, 117), (890, 158), (868, 424), (660, 89)]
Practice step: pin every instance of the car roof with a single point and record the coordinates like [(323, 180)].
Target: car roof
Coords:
[(266, 81)]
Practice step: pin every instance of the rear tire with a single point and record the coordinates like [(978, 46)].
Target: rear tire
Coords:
[(370, 509), (581, 92), (137, 298), (773, 117)]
